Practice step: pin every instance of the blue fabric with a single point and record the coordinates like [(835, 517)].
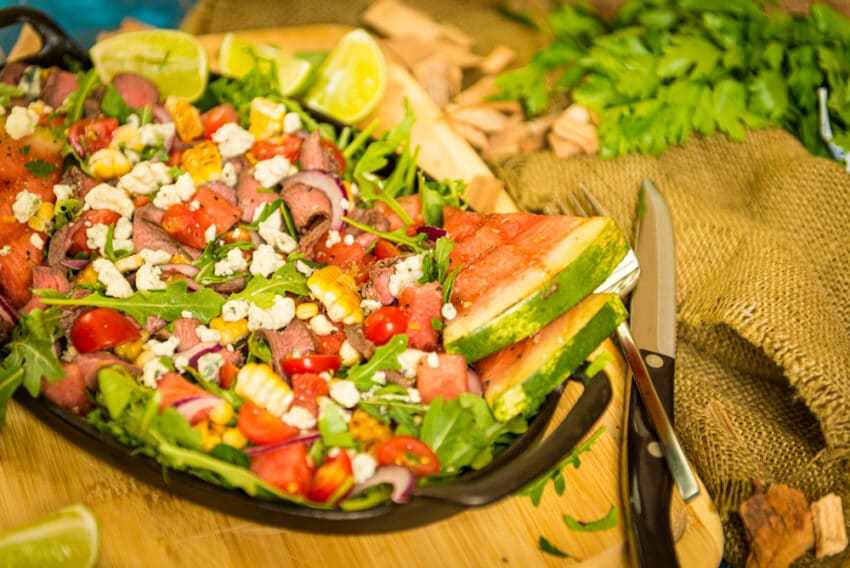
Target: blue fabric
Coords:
[(84, 19)]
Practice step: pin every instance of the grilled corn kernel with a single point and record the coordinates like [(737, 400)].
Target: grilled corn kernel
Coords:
[(127, 137), (43, 218), (231, 331), (202, 162), (266, 118), (368, 429), (234, 438), (108, 163), (186, 117), (129, 350), (222, 413), (348, 354), (209, 440), (145, 356), (306, 310), (87, 275), (180, 259), (338, 292), (261, 385)]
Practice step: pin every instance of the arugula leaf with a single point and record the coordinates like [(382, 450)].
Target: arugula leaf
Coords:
[(113, 105), (31, 348), (74, 104), (8, 92), (10, 380), (169, 304), (334, 428), (399, 236), (384, 359), (40, 168), (609, 521), (262, 291)]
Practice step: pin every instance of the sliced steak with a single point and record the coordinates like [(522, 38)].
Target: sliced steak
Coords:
[(313, 156), (250, 194), (57, 86), (148, 232), (91, 363), (91, 106), (311, 213), (294, 338), (136, 91), (378, 286), (357, 339), (46, 277), (71, 391), (184, 331)]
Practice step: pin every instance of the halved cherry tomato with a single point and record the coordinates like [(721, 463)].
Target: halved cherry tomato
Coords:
[(101, 328), (79, 240), (184, 224), (311, 364), (261, 426), (335, 152), (287, 145), (409, 452), (288, 468), (382, 324), (333, 479), (217, 117), (227, 374), (385, 249), (88, 135)]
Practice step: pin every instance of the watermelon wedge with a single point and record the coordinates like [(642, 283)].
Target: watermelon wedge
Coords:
[(520, 271), (518, 378)]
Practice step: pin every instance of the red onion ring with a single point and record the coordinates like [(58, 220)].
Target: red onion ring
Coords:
[(10, 311), (73, 263), (197, 351), (307, 438), (330, 185), (180, 268), (190, 406), (433, 233), (402, 479)]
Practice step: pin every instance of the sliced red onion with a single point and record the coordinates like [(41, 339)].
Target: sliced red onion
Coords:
[(180, 268), (74, 263), (330, 185), (191, 405), (197, 351), (402, 479), (307, 438), (9, 310), (433, 233)]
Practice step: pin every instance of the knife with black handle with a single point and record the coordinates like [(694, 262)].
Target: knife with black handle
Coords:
[(648, 480)]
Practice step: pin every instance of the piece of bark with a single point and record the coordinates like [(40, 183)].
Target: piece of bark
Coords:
[(409, 50), (471, 134), (477, 92), (439, 78), (497, 60), (481, 117), (778, 524), (393, 18), (563, 148), (575, 124), (830, 530), (456, 35)]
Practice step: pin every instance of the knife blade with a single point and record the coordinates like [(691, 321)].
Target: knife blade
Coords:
[(648, 480)]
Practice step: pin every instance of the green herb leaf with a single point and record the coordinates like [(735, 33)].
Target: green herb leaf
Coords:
[(40, 168), (384, 359), (609, 521), (334, 428), (262, 291), (31, 349), (551, 549)]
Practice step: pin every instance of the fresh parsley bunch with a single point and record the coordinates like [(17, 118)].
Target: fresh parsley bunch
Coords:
[(664, 69)]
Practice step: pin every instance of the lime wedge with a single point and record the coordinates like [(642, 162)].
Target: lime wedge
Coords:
[(352, 79), (175, 61), (69, 538), (237, 56)]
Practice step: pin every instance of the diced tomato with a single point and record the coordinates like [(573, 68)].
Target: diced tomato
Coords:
[(330, 343), (69, 392), (261, 426), (52, 120), (411, 206), (382, 324), (289, 468), (175, 156), (423, 303), (385, 249), (217, 117), (311, 364), (215, 210), (351, 258), (409, 452), (175, 388), (88, 135), (184, 224), (227, 374), (333, 479), (101, 328), (448, 379), (140, 201), (335, 152), (91, 217), (287, 145)]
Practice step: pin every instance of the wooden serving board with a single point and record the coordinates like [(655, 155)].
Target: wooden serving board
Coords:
[(141, 525)]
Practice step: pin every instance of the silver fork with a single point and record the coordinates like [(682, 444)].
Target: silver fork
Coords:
[(621, 281)]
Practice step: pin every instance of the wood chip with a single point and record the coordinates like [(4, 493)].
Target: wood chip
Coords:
[(575, 124), (778, 524), (393, 18), (830, 530), (482, 117), (471, 134), (460, 56), (562, 147), (477, 92), (409, 50), (497, 60), (439, 77), (456, 35)]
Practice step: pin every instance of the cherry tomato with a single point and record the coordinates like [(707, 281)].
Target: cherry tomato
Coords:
[(261, 426), (333, 479), (79, 240), (335, 152), (287, 145), (289, 468), (382, 324), (227, 374), (385, 249), (88, 135), (101, 328), (184, 224), (409, 452), (217, 117), (310, 364)]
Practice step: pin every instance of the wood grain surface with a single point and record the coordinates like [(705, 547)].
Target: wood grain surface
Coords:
[(141, 525)]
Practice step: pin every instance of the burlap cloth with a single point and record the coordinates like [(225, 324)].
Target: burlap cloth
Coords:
[(762, 235)]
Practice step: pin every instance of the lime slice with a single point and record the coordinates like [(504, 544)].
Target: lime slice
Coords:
[(175, 61), (69, 538), (351, 81), (237, 56)]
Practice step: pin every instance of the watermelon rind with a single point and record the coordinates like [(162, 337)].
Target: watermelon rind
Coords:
[(545, 361), (583, 260)]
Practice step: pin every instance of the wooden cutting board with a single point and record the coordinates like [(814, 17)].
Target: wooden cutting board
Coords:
[(41, 471)]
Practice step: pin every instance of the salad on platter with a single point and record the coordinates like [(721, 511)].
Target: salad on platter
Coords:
[(271, 302)]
